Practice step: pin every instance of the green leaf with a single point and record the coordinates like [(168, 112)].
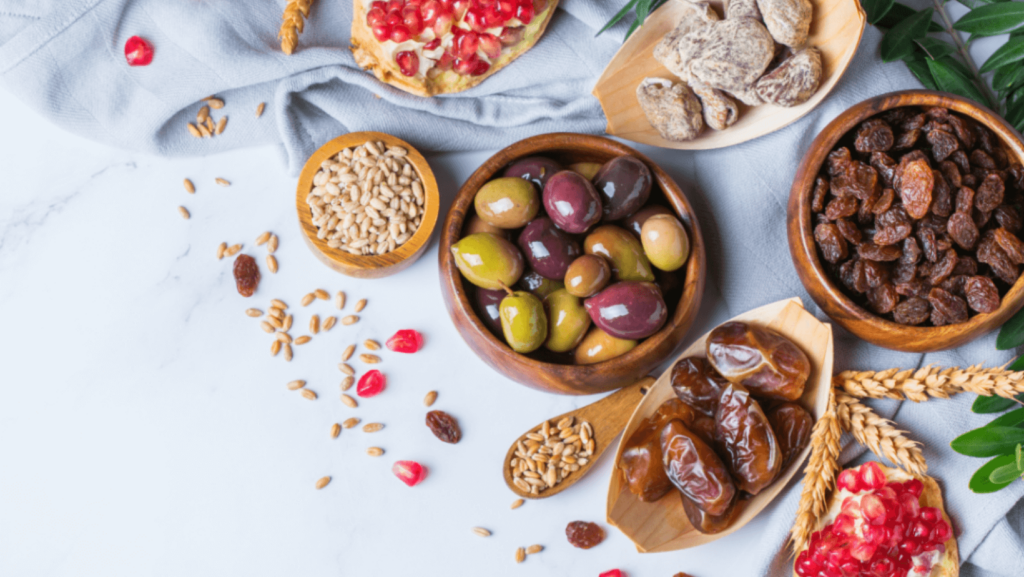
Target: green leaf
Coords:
[(919, 68), (1015, 112), (992, 19), (950, 78), (1011, 335), (876, 9), (900, 12), (1007, 75), (935, 48), (898, 43), (1017, 365), (1012, 419), (980, 481), (1012, 51), (618, 16), (1004, 475), (1019, 457), (986, 405), (988, 441)]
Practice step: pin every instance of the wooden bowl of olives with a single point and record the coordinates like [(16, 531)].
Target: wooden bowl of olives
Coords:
[(921, 251), (572, 263)]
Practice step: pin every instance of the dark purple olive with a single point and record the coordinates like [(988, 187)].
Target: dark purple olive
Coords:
[(628, 310), (572, 202), (624, 184), (540, 286), (486, 303), (536, 169), (635, 222), (548, 249)]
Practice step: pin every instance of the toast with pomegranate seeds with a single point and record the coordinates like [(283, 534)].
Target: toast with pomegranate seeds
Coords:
[(880, 522), (428, 47)]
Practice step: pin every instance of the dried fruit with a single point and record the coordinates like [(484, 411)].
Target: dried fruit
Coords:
[(444, 426), (371, 384), (916, 185), (138, 51), (874, 135), (583, 534), (981, 294), (831, 243), (405, 341), (409, 472), (247, 275)]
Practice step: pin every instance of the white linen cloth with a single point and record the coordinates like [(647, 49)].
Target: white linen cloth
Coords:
[(66, 60)]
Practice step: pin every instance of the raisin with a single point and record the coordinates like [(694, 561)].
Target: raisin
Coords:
[(849, 231), (820, 192), (914, 122), (943, 268), (962, 230), (883, 298), (954, 285), (934, 125), (913, 311), (952, 308), (856, 179), (913, 288), (981, 158), (990, 193), (841, 207), (990, 253), (981, 294), (247, 275), (884, 201), (943, 144), (885, 166), (904, 272), (916, 184), (937, 113), (965, 265), (583, 534), (970, 181), (874, 136), (937, 318), (961, 161), (951, 172), (985, 139), (962, 130), (865, 216), (965, 199), (980, 174), (928, 244), (831, 242), (999, 157), (1011, 245), (870, 251), (838, 160), (444, 426), (893, 226), (1015, 174), (852, 274), (980, 217), (907, 139), (876, 273), (942, 196), (1008, 218), (911, 251)]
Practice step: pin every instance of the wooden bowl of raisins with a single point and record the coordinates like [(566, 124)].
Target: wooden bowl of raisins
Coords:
[(905, 220)]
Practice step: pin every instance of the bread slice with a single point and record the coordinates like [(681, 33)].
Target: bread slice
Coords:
[(377, 57)]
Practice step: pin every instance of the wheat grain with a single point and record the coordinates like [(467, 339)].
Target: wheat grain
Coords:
[(292, 23), (931, 382), (819, 475)]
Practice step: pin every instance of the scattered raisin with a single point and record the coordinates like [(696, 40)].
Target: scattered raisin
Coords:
[(876, 273), (247, 275), (965, 199), (981, 293), (444, 426), (913, 311), (885, 166), (583, 534), (907, 139), (856, 179), (911, 251), (966, 265), (990, 253), (913, 288)]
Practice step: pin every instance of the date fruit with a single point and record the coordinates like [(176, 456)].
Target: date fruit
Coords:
[(760, 359), (792, 426), (697, 384), (695, 469), (745, 437), (641, 462)]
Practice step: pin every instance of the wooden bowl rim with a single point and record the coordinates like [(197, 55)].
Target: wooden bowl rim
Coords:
[(420, 238), (536, 145), (801, 240)]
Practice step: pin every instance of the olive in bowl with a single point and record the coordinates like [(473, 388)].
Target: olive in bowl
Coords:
[(577, 356)]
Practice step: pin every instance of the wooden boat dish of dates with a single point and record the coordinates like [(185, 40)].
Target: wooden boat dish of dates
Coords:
[(368, 265), (939, 265), (640, 296), (834, 31), (660, 522)]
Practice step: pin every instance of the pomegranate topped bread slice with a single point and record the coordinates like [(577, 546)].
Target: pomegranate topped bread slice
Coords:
[(881, 522), (429, 47)]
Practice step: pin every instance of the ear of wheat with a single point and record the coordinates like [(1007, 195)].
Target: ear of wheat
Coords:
[(293, 23), (879, 435), (819, 475), (931, 382)]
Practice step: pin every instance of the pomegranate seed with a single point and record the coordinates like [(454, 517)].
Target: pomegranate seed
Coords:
[(480, 68), (445, 61), (910, 505), (379, 5), (443, 25), (848, 480), (871, 476), (512, 36), (851, 506), (413, 22), (491, 46), (887, 494), (475, 20), (909, 547), (371, 384), (941, 532), (492, 16), (375, 16), (467, 46), (409, 472), (405, 341), (844, 525), (612, 573), (395, 5), (914, 487), (539, 6), (393, 18), (882, 567), (408, 63), (863, 551), (525, 13), (430, 11), (399, 34), (930, 514), (465, 66), (507, 9), (919, 530), (138, 52), (460, 8), (873, 509), (381, 32)]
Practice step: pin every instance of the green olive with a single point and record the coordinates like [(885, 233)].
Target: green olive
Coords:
[(523, 321), (587, 275), (540, 286), (587, 169), (665, 242), (475, 224), (599, 346), (488, 261), (568, 321), (623, 251), (507, 202)]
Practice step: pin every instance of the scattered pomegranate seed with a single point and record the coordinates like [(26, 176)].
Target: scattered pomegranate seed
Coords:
[(612, 573), (408, 62), (371, 384), (138, 52), (409, 472), (405, 341)]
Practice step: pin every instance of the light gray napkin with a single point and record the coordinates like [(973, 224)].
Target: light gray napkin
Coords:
[(65, 58)]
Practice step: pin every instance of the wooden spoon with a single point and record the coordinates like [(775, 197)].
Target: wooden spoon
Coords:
[(607, 417)]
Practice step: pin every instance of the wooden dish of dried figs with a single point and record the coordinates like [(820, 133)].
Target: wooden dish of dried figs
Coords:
[(862, 310), (662, 524), (835, 31)]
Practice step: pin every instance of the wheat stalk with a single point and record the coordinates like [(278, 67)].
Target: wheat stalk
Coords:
[(292, 23), (879, 435), (819, 475), (928, 382)]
